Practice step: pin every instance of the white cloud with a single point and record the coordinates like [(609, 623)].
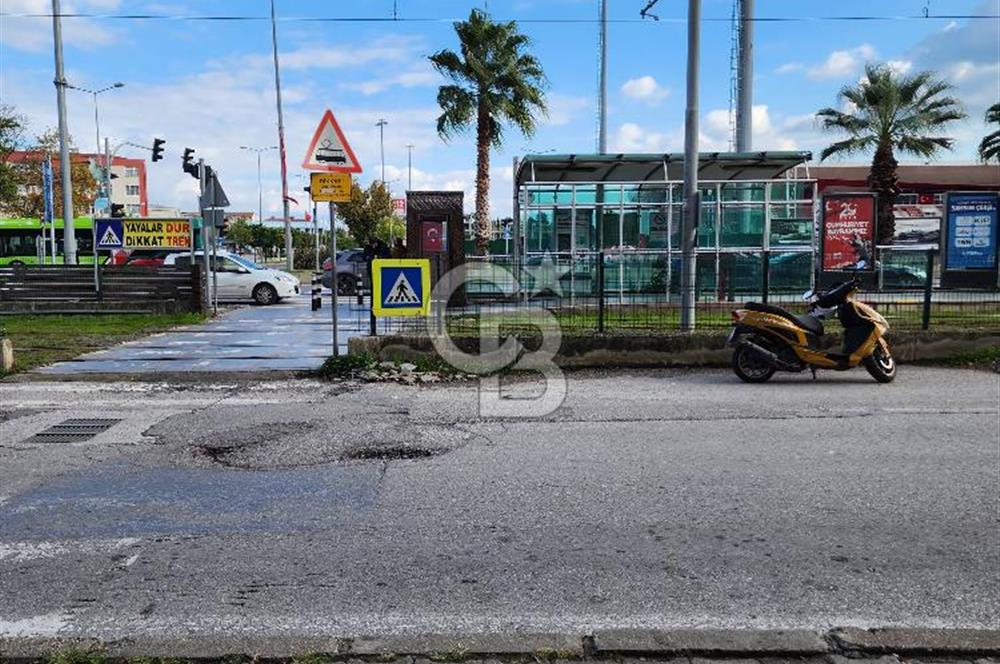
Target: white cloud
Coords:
[(35, 34), (790, 67), (900, 66), (770, 131), (840, 64), (407, 79), (630, 137), (563, 109), (646, 89), (386, 51)]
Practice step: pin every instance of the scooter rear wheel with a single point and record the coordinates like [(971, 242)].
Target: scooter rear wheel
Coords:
[(881, 364), (751, 367)]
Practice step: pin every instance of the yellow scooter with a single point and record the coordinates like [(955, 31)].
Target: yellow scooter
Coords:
[(766, 338)]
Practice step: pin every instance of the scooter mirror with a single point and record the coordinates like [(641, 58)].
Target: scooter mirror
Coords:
[(808, 295)]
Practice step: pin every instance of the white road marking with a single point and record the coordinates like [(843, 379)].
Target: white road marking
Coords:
[(48, 624), (23, 551)]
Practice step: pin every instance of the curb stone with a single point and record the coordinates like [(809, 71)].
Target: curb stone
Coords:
[(631, 646), (797, 642), (903, 640), (473, 644)]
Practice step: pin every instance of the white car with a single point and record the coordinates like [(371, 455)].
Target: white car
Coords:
[(241, 279)]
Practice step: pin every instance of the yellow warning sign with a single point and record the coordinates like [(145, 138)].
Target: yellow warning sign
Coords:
[(156, 233), (330, 187)]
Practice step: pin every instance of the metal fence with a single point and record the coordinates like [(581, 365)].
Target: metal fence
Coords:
[(638, 291)]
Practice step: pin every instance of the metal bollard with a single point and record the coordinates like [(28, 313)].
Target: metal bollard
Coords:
[(317, 288)]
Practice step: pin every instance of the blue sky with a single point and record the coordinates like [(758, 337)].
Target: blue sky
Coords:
[(209, 84)]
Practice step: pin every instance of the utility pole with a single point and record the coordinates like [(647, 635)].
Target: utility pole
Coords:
[(691, 199), (744, 80), (602, 99), (409, 166), (281, 144), (381, 141), (69, 230)]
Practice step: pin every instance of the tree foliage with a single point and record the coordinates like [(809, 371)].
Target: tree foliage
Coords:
[(11, 134), (888, 112), (990, 146), (28, 199), (365, 209), (494, 81)]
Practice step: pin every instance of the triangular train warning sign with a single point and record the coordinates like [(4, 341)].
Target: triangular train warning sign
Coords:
[(329, 149), (402, 292), (110, 238)]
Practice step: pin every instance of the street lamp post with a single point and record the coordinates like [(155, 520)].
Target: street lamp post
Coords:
[(97, 127), (381, 141), (409, 166), (260, 190)]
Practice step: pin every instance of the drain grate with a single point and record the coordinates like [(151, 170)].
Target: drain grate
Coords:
[(73, 430)]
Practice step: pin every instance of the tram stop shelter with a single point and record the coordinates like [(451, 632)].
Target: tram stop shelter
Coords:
[(629, 206)]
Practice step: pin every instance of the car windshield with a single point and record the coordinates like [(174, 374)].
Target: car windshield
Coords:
[(247, 263)]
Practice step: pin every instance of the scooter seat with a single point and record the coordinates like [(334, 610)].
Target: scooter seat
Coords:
[(810, 323)]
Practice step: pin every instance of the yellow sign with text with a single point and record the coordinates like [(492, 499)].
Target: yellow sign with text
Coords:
[(156, 233), (330, 187)]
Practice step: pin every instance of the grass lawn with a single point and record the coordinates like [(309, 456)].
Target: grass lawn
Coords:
[(40, 340)]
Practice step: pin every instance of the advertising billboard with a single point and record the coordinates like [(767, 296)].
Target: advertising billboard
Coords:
[(848, 224), (970, 231)]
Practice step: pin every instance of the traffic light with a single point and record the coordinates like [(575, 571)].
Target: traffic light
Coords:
[(117, 210), (158, 149), (188, 165)]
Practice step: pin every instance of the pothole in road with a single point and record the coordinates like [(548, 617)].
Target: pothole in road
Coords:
[(390, 453), (293, 445)]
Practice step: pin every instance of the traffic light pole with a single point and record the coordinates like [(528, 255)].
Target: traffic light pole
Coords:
[(206, 295)]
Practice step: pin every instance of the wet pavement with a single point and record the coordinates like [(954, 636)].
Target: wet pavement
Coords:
[(286, 337)]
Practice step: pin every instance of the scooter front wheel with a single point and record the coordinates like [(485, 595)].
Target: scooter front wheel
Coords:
[(750, 366), (881, 364)]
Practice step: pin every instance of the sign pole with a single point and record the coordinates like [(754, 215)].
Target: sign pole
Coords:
[(333, 277), (97, 277)]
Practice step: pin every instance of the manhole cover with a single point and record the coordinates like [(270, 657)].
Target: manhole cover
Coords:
[(73, 430)]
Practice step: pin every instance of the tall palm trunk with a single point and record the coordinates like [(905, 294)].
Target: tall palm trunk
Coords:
[(483, 141), (884, 182)]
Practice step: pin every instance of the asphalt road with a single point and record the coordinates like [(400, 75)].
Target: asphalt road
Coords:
[(650, 499)]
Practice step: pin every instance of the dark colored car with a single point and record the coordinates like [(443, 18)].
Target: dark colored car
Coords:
[(351, 266)]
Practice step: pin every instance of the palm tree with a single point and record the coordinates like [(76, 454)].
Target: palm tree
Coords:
[(494, 81), (886, 112), (990, 147)]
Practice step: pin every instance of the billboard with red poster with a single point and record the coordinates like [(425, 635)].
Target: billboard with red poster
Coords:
[(848, 224)]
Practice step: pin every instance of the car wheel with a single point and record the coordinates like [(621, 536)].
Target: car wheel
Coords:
[(265, 294), (346, 284)]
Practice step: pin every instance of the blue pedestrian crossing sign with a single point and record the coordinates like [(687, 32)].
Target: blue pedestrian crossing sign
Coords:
[(109, 233), (401, 286)]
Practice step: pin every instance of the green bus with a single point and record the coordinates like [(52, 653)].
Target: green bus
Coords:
[(20, 241)]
